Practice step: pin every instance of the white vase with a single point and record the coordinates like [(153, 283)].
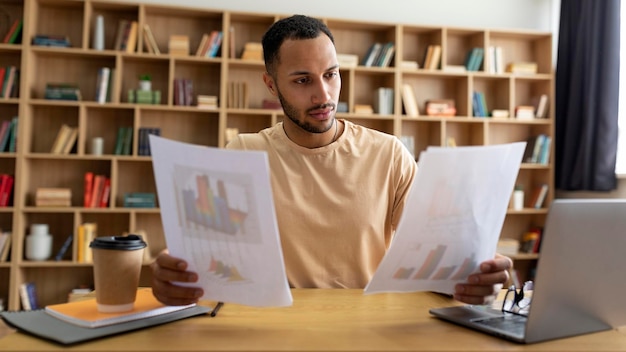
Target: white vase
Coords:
[(98, 33), (38, 243), (145, 85)]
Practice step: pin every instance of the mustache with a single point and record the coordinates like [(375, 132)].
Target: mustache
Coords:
[(322, 106)]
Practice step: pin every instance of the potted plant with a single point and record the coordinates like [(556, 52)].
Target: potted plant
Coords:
[(145, 82)]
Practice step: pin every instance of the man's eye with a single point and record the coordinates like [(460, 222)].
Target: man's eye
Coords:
[(302, 80)]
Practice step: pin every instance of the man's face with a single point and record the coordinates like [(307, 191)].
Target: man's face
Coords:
[(307, 82)]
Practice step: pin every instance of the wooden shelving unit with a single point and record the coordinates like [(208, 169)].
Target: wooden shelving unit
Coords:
[(40, 119)]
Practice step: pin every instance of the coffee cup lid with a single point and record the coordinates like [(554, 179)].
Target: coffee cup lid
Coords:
[(127, 243)]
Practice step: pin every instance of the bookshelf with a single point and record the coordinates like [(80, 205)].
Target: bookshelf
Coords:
[(40, 119)]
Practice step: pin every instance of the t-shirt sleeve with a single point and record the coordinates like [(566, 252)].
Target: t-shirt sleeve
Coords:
[(406, 168)]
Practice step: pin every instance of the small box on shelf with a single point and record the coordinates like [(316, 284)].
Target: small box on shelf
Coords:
[(53, 197)]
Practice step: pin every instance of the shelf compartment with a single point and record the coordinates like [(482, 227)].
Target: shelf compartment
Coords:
[(497, 92), (47, 118), (252, 75), (165, 20), (440, 86), (193, 126), (68, 66), (524, 46), (365, 86), (529, 89), (244, 28), (158, 67), (105, 122), (6, 221), (356, 38), (458, 44), (61, 18), (133, 176), (60, 173), (464, 132), (109, 223), (5, 272), (512, 130), (60, 225), (112, 13), (53, 283), (205, 77), (415, 42), (425, 133)]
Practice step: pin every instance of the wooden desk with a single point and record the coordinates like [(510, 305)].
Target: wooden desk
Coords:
[(325, 320)]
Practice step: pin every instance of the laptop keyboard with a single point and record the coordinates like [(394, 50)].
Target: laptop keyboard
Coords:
[(515, 324)]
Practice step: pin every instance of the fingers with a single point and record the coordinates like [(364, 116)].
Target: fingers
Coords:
[(482, 288), (166, 270)]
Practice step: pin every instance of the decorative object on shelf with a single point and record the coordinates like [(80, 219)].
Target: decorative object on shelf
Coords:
[(97, 146), (38, 243), (145, 82), (440, 107), (98, 33), (518, 198)]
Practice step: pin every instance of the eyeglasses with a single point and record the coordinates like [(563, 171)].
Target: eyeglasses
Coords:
[(518, 301)]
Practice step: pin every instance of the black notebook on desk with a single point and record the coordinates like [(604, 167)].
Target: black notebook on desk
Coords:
[(42, 324)]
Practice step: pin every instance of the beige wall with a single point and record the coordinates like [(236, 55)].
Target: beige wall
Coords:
[(620, 192)]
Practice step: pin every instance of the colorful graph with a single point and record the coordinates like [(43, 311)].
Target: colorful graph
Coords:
[(224, 271), (432, 266), (203, 207)]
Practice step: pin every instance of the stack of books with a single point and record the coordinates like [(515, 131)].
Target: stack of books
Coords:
[(138, 96), (252, 51), (178, 45), (139, 200), (51, 40), (62, 91), (526, 68), (53, 197), (208, 102), (65, 140), (440, 107)]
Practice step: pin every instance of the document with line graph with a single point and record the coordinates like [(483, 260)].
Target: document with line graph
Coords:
[(218, 214), (452, 219)]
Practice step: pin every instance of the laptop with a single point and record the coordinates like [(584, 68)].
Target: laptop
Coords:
[(579, 286)]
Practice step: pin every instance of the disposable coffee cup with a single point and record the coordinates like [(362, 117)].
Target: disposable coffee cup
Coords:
[(117, 264)]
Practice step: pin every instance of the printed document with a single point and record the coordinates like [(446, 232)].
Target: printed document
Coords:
[(452, 219), (218, 214)]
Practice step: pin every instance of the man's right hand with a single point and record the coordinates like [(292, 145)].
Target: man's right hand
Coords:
[(165, 271)]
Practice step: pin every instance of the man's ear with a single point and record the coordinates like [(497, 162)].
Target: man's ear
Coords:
[(269, 83)]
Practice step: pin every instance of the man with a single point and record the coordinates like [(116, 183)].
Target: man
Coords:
[(339, 189)]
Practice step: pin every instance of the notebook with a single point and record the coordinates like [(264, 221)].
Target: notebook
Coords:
[(578, 287), (45, 325), (85, 313)]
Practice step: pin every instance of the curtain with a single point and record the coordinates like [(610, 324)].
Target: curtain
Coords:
[(587, 96)]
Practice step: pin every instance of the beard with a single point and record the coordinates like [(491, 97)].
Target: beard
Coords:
[(292, 113)]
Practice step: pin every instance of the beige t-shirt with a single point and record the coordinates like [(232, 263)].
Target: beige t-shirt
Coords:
[(337, 206)]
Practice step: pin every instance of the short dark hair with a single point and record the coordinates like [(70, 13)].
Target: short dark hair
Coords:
[(294, 27)]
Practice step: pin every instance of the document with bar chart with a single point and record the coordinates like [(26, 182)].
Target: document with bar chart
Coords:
[(218, 214), (452, 219)]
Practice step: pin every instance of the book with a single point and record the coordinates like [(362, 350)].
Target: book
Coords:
[(28, 296), (64, 247), (14, 33), (61, 139), (85, 312), (70, 141), (539, 196), (408, 99), (542, 107), (149, 40)]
